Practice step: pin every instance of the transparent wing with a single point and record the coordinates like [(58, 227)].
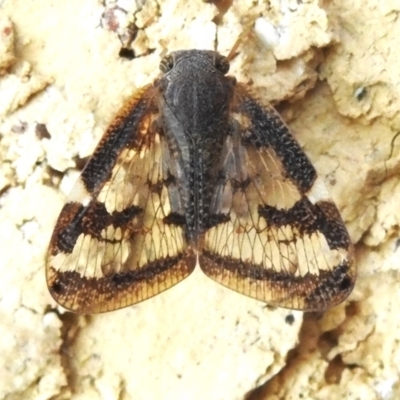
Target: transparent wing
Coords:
[(114, 243), (284, 241)]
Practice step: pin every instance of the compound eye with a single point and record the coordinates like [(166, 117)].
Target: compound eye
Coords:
[(221, 63), (167, 63)]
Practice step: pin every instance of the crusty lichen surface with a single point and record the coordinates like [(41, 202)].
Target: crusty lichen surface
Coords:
[(332, 69)]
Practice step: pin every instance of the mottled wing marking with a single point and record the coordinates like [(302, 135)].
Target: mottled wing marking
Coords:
[(115, 242), (193, 165), (285, 242)]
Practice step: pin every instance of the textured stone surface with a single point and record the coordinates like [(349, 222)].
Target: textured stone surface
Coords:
[(337, 63)]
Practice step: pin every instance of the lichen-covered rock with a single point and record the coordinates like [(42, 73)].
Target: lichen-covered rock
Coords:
[(336, 63)]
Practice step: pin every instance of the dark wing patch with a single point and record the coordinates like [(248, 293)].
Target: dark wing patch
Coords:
[(284, 242), (117, 241)]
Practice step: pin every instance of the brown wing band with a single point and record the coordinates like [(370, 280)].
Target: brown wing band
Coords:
[(94, 295)]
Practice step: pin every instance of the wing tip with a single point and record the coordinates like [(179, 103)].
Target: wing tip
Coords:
[(85, 295), (311, 292)]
